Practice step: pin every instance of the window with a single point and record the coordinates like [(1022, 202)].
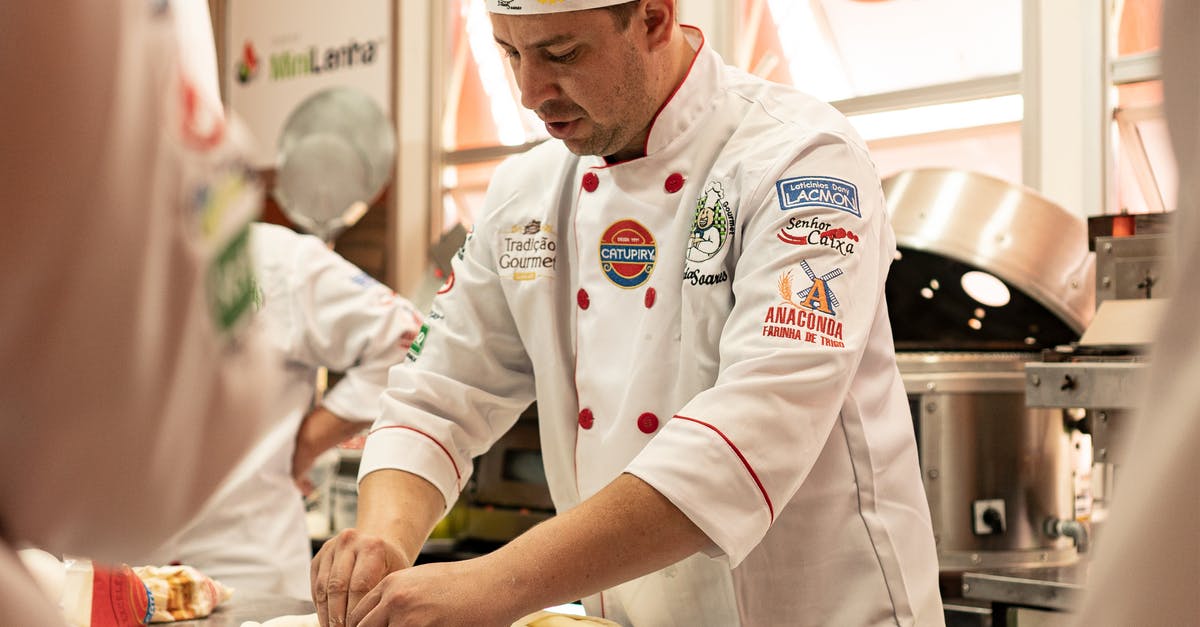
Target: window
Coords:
[(955, 104), (1144, 174), (483, 120)]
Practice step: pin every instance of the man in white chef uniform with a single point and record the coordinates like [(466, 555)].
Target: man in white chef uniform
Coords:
[(725, 432), (131, 378), (318, 310)]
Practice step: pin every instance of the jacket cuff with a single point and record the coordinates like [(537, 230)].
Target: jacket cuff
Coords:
[(713, 484), (414, 451)]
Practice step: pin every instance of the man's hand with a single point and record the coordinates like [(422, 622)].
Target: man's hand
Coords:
[(346, 568), (320, 431), (448, 593)]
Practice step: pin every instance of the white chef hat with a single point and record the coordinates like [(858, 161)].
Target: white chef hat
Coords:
[(530, 7)]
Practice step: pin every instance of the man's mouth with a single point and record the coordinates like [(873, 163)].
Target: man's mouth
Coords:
[(562, 129)]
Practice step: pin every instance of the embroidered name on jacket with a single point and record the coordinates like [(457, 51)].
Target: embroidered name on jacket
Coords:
[(818, 191), (815, 232), (807, 315), (627, 253), (528, 251)]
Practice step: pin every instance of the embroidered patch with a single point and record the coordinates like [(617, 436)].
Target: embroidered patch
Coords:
[(627, 253), (818, 191), (815, 232), (712, 226), (807, 315), (528, 251), (414, 349)]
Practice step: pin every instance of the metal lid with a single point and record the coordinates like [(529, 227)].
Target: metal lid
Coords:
[(950, 224)]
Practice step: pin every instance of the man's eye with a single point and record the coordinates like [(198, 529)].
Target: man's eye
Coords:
[(563, 58)]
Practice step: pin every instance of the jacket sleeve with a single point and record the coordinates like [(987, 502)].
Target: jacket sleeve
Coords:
[(467, 376), (344, 320), (808, 284)]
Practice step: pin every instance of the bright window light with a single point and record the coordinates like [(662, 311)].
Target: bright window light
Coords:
[(505, 113), (942, 117), (985, 288)]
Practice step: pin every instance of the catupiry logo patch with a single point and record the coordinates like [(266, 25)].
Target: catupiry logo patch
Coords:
[(712, 225), (818, 191), (627, 253)]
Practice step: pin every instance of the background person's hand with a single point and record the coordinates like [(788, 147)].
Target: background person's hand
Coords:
[(346, 568)]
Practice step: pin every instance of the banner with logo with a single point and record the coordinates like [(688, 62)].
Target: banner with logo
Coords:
[(279, 52)]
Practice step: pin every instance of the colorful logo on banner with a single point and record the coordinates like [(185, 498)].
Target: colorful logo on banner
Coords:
[(712, 226), (247, 66), (818, 191), (808, 315), (627, 253)]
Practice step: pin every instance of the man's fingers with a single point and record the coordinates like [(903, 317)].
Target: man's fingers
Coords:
[(368, 571), (337, 585), (320, 572), (359, 612)]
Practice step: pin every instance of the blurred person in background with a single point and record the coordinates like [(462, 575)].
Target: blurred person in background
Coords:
[(131, 377), (1147, 565), (317, 310)]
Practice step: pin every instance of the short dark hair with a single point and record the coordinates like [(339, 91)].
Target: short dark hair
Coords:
[(622, 14)]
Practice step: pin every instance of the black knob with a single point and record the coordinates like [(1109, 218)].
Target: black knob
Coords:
[(993, 519)]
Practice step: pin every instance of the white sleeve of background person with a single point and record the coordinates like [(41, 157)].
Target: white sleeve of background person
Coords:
[(121, 387), (1147, 560)]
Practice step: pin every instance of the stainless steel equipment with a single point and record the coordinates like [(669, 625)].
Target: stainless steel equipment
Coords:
[(336, 154), (988, 274), (994, 470)]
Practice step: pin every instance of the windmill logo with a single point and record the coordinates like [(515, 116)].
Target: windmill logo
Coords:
[(818, 296)]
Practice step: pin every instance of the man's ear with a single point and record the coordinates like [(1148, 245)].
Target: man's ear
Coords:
[(658, 18)]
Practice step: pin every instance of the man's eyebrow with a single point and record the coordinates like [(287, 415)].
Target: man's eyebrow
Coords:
[(545, 43)]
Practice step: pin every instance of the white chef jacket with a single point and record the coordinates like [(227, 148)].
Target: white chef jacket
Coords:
[(130, 382), (1146, 568), (754, 384), (318, 310)]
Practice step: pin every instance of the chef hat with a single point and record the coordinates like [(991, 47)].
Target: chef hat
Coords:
[(530, 7)]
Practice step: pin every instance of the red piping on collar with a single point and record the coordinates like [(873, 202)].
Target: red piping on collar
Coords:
[(653, 120)]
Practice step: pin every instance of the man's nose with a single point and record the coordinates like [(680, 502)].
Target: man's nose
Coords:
[(536, 83)]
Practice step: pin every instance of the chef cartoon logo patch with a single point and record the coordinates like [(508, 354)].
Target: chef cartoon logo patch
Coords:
[(627, 253), (712, 226), (808, 315)]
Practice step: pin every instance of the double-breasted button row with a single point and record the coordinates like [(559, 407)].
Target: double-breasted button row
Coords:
[(674, 182), (647, 422), (584, 300)]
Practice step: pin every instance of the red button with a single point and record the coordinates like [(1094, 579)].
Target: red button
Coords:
[(648, 422), (650, 296), (591, 181), (586, 419), (582, 298), (674, 183)]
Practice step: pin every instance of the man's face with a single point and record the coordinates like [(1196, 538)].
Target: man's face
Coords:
[(588, 81)]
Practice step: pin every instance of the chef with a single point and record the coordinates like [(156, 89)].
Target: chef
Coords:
[(317, 310), (724, 429)]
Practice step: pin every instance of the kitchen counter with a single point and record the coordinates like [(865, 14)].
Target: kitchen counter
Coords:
[(1052, 587), (249, 606)]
